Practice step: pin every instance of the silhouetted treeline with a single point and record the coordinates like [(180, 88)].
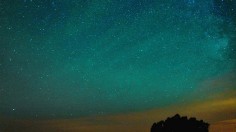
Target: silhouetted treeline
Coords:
[(180, 124)]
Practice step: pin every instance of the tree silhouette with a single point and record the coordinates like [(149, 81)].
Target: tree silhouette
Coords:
[(180, 124)]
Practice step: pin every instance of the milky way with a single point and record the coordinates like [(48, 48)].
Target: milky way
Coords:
[(80, 58)]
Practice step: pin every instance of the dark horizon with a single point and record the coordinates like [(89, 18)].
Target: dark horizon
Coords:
[(88, 59)]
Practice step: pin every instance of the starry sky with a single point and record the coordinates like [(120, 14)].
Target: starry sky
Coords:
[(63, 59)]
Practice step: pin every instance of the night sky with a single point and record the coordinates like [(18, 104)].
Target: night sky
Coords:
[(73, 59)]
